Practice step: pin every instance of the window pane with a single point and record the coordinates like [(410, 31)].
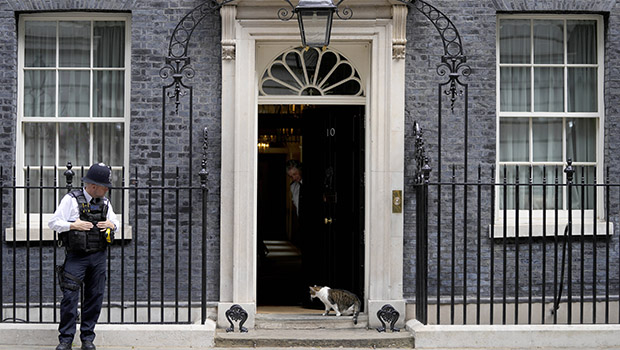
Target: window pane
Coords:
[(74, 144), (73, 92), (548, 41), (583, 191), (515, 89), (74, 44), (40, 44), (514, 41), (108, 93), (581, 139), (542, 194), (39, 144), (286, 74), (114, 195), (39, 93), (548, 89), (582, 90), (510, 176), (581, 42), (514, 140), (272, 87), (547, 138), (109, 44), (338, 73), (35, 195), (554, 175), (108, 143)]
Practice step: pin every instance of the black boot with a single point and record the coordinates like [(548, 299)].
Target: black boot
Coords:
[(64, 346), (88, 345)]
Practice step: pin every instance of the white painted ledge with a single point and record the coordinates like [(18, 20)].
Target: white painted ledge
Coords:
[(192, 336), (37, 234), (515, 336)]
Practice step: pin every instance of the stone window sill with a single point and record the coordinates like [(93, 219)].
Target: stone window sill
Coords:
[(46, 234), (537, 229)]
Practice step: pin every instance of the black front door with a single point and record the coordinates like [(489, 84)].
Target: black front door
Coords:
[(333, 178)]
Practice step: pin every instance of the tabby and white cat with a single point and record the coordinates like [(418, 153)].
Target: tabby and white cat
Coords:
[(342, 301)]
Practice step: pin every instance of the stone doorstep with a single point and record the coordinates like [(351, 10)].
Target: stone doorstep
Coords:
[(309, 321), (334, 338), (312, 330)]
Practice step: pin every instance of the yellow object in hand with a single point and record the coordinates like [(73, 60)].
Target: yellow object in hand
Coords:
[(108, 236)]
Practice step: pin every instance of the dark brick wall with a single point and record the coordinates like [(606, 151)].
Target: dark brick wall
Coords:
[(8, 86), (476, 22), (152, 28), (152, 23)]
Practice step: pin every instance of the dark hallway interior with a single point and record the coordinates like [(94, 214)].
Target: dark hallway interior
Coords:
[(279, 257), (322, 244)]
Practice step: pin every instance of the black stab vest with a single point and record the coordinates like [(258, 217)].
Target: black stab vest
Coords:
[(87, 241)]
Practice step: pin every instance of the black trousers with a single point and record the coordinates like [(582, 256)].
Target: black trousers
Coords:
[(91, 269)]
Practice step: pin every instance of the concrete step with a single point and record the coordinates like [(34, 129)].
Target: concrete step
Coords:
[(309, 321), (319, 338)]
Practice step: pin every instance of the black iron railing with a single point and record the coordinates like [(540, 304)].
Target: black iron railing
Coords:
[(554, 260), (155, 274)]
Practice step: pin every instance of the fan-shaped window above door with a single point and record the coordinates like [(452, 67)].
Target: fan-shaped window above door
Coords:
[(313, 72)]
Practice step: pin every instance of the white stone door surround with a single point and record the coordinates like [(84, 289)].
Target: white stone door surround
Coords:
[(242, 33)]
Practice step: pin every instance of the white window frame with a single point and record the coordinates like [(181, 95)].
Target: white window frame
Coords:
[(19, 232), (537, 215)]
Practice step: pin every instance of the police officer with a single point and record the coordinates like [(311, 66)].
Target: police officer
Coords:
[(86, 223)]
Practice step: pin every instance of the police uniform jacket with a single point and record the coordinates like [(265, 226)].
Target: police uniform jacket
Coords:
[(68, 212)]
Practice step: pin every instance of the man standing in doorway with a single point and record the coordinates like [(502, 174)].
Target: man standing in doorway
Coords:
[(302, 235), (86, 224), (293, 170)]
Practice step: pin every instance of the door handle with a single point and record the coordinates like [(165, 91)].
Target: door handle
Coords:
[(328, 221)]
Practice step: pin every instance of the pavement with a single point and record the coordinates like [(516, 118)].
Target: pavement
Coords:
[(76, 347)]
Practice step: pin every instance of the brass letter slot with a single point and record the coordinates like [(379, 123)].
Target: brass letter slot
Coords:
[(397, 201)]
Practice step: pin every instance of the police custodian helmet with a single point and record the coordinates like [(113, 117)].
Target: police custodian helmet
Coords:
[(99, 174)]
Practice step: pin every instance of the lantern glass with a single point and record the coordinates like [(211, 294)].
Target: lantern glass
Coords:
[(315, 26)]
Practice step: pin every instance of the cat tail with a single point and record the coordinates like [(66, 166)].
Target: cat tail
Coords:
[(356, 311)]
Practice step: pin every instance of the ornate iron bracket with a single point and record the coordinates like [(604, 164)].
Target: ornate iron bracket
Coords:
[(422, 169), (388, 314), (178, 62), (453, 62), (284, 14), (236, 313), (204, 173)]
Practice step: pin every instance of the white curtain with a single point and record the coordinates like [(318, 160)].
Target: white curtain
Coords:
[(40, 44), (514, 140), (547, 140), (73, 91), (74, 44), (108, 94), (582, 81), (109, 52), (40, 147), (39, 93), (515, 44), (581, 147), (109, 44), (547, 133), (108, 147), (75, 140)]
